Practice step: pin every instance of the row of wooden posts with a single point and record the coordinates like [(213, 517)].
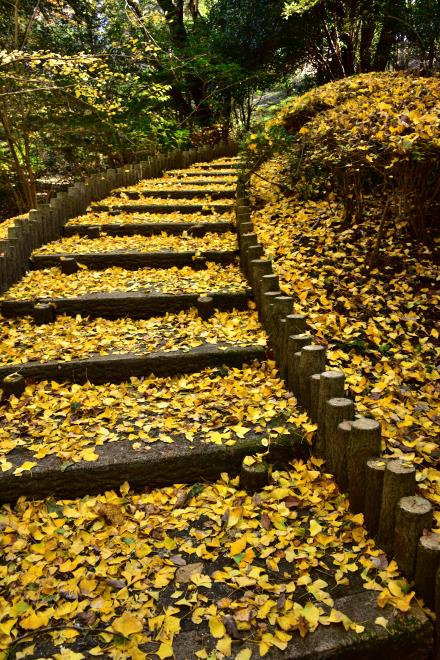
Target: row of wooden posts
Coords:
[(383, 489), (45, 223)]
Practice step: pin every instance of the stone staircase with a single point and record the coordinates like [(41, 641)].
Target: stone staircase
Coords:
[(119, 346)]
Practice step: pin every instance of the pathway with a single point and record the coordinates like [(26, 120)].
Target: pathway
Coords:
[(145, 362)]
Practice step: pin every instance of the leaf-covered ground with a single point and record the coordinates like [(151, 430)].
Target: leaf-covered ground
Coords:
[(216, 405), (106, 243), (103, 217), (380, 327), (173, 183), (121, 575), (80, 337), (50, 282)]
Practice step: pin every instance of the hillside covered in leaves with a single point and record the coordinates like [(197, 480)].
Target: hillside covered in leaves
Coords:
[(345, 184)]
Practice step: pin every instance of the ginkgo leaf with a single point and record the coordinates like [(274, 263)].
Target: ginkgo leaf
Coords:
[(127, 624), (216, 627)]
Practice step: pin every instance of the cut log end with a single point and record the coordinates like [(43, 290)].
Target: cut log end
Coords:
[(14, 384), (43, 313), (254, 477), (205, 307), (69, 265)]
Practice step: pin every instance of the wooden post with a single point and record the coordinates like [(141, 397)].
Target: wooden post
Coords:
[(315, 380), (205, 307), (254, 477), (331, 386), (13, 384), (427, 564), (337, 410), (254, 252), (413, 516), (266, 300), (93, 231), (312, 361), (342, 439), (243, 215), (69, 265), (244, 228), (247, 240), (374, 474), (257, 269), (278, 309), (294, 345), (292, 324), (364, 443), (399, 481), (43, 313)]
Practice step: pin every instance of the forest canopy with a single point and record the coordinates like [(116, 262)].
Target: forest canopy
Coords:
[(88, 84)]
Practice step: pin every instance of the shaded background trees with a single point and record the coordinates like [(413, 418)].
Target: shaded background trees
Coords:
[(89, 83)]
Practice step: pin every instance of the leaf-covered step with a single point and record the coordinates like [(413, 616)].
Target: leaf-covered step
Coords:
[(164, 207), (149, 431), (165, 463), (22, 340), (134, 304), (175, 193), (135, 260), (133, 252), (200, 173), (124, 228), (117, 368)]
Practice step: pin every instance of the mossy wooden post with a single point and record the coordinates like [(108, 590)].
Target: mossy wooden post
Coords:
[(14, 384), (427, 564), (315, 380), (36, 219), (254, 253), (258, 268), (205, 307), (16, 243), (337, 410), (413, 516), (294, 345), (279, 309), (69, 265), (43, 313), (292, 324), (312, 361), (243, 215), (350, 461), (266, 300), (3, 273), (374, 474), (244, 228), (342, 439), (331, 386), (254, 477), (246, 241), (265, 284), (399, 481)]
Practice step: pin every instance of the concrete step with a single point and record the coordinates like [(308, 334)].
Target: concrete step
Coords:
[(151, 228), (119, 304), (134, 260), (175, 193), (200, 173), (205, 208), (117, 368)]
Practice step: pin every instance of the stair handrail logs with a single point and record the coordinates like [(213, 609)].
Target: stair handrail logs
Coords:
[(46, 222)]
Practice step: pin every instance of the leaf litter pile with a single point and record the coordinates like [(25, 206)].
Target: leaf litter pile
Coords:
[(50, 283), (126, 575), (219, 406), (104, 217), (159, 242), (380, 328), (80, 337)]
